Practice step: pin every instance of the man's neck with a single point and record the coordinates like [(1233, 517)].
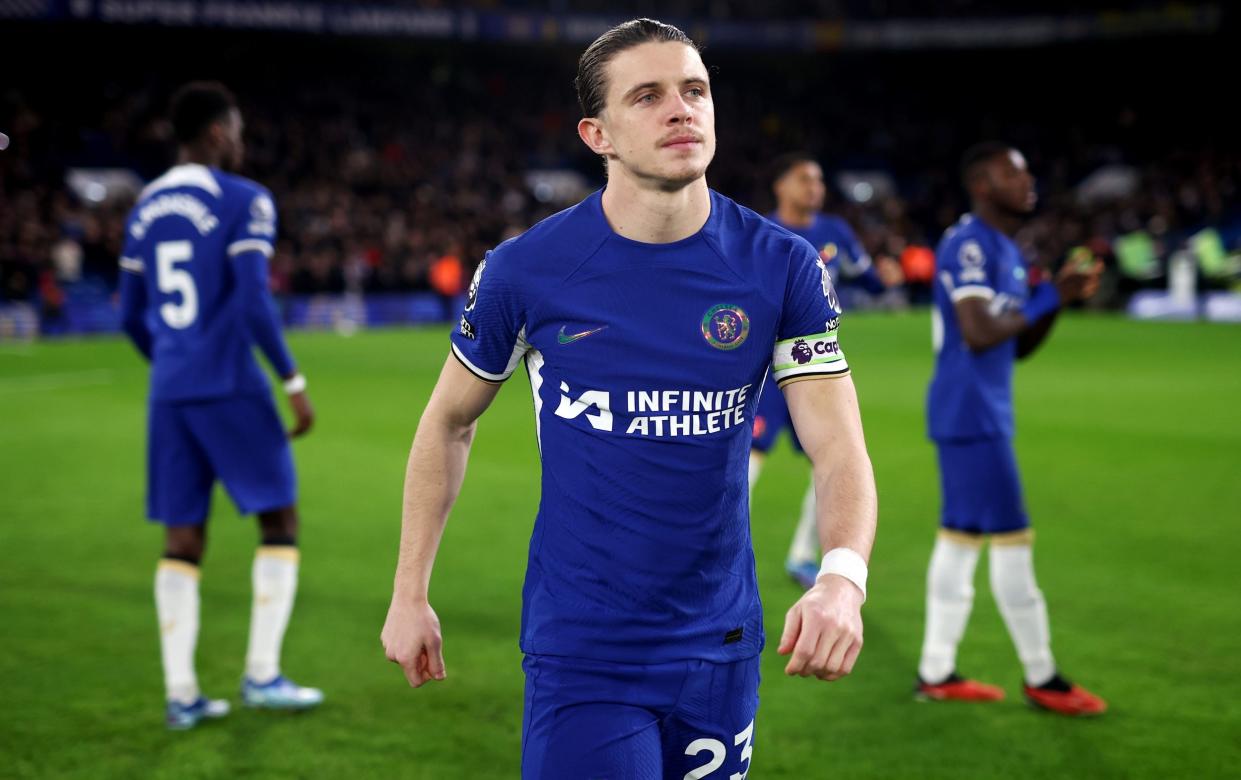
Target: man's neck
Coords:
[(188, 155), (1003, 221), (654, 216), (795, 217)]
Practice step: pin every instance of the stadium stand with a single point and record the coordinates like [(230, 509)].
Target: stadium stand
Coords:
[(389, 157)]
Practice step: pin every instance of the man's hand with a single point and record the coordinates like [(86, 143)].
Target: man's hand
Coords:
[(411, 638), (823, 630), (305, 414), (1075, 283)]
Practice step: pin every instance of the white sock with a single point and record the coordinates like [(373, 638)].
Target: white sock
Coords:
[(756, 466), (1025, 613), (176, 604), (949, 599), (805, 546), (275, 585)]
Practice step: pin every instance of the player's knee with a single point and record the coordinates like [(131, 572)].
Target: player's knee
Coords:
[(185, 544), (279, 527)]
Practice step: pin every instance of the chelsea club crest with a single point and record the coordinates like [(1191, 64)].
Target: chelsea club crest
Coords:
[(725, 326)]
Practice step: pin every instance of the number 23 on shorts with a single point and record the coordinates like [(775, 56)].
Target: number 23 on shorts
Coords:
[(719, 753)]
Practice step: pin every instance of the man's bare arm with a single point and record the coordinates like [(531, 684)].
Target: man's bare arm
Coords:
[(823, 630), (433, 477), (829, 426), (983, 329)]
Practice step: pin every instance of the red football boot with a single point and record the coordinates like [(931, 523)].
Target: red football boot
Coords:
[(957, 688), (1063, 697)]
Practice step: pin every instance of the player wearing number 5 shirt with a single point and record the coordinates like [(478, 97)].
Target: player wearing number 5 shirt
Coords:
[(195, 302)]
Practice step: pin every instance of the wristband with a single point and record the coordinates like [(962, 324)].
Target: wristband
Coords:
[(1044, 299), (295, 384), (847, 564)]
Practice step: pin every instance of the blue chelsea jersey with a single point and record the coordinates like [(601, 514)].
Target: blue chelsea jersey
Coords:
[(839, 248), (182, 237), (645, 363), (970, 395)]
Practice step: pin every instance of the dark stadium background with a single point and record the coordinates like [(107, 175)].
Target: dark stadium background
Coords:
[(388, 153)]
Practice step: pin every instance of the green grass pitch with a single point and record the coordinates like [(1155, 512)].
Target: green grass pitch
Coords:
[(1130, 444)]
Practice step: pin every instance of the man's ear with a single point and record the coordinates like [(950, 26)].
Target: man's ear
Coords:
[(591, 131)]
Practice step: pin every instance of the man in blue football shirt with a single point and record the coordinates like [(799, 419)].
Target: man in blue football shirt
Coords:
[(646, 317), (195, 301), (799, 188), (985, 316)]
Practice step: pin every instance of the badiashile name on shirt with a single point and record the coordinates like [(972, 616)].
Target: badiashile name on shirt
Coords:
[(685, 412)]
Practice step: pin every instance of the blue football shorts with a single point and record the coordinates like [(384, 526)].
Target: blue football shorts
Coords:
[(238, 440), (611, 721), (981, 487)]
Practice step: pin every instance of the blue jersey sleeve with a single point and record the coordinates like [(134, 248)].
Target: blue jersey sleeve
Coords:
[(966, 268), (490, 338), (806, 340), (249, 249), (254, 228), (134, 296)]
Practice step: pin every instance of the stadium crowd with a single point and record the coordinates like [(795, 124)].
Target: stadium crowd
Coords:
[(384, 187)]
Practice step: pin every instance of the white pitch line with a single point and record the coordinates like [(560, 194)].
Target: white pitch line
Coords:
[(60, 381)]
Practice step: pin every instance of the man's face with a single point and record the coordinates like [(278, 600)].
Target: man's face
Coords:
[(801, 187), (658, 118), (1010, 184), (227, 135)]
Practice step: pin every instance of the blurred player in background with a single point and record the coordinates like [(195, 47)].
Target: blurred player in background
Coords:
[(986, 315), (195, 302), (797, 181), (647, 316)]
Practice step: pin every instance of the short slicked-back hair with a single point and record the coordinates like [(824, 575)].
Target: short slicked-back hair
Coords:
[(592, 87), (196, 106), (977, 156), (787, 162)]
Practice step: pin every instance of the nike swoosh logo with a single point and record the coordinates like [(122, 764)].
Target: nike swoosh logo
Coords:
[(569, 338)]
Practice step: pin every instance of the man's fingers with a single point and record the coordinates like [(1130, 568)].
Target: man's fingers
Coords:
[(792, 627), (413, 673), (836, 658), (435, 661), (412, 666), (822, 654), (304, 413), (843, 656), (823, 631), (304, 420), (851, 657), (803, 652)]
